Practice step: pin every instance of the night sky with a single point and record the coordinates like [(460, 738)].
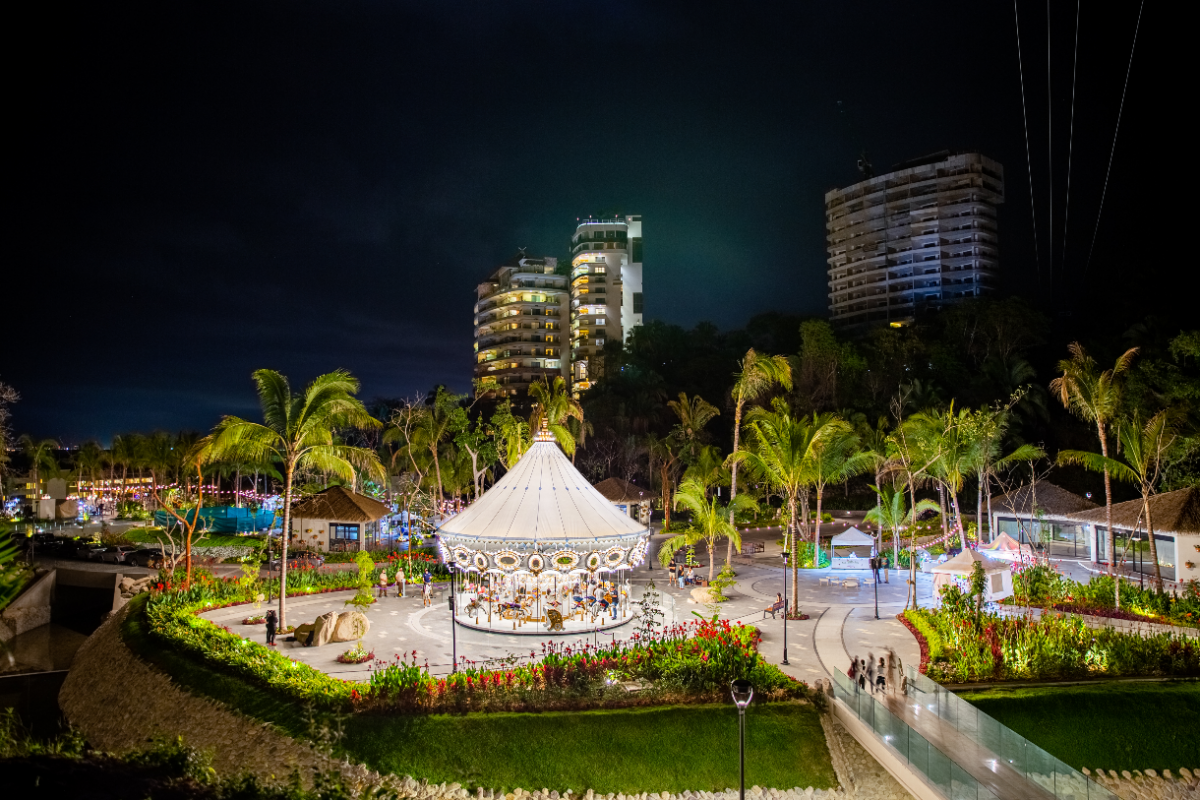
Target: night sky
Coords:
[(198, 190)]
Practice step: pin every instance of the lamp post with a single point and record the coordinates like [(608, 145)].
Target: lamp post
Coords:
[(453, 623), (742, 693), (875, 572), (786, 554)]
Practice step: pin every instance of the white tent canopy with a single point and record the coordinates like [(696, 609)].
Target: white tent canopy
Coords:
[(852, 538), (542, 499), (998, 574)]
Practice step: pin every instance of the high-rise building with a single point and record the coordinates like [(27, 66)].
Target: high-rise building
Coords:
[(520, 312), (921, 236), (606, 291)]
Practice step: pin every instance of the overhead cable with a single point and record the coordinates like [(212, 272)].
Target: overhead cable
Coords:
[(1116, 130), (1070, 139), (1028, 160)]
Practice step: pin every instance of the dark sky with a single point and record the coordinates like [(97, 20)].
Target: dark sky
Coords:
[(198, 190)]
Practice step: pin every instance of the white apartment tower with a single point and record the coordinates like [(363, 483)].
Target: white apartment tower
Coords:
[(520, 315), (919, 237), (606, 291)]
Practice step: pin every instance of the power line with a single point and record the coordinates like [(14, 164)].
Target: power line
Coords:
[(1071, 137), (1050, 155), (1116, 130), (1028, 160)]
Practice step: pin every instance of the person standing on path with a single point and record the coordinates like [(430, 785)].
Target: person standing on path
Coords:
[(271, 626), (400, 583), (383, 584)]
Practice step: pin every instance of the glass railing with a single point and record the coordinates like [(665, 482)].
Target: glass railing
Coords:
[(933, 766), (1034, 763)]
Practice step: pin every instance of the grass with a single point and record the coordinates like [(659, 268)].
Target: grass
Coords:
[(146, 536), (1118, 725), (625, 750)]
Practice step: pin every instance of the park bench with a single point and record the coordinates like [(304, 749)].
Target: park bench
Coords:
[(750, 548), (775, 608)]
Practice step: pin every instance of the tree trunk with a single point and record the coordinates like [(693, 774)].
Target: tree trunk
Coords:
[(1112, 539), (712, 545), (1153, 544), (737, 429), (795, 557), (438, 467), (283, 550), (912, 543), (962, 531), (942, 506), (979, 511)]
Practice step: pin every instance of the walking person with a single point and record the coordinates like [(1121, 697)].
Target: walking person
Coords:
[(891, 669), (881, 677), (271, 626), (871, 672), (862, 674)]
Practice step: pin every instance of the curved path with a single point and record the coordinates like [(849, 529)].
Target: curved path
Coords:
[(842, 622)]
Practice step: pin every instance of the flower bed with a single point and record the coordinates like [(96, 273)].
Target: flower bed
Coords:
[(690, 663), (990, 647), (1042, 586), (356, 655), (924, 634), (255, 620)]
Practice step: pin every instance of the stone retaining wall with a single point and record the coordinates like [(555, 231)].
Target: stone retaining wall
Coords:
[(1149, 785), (120, 703)]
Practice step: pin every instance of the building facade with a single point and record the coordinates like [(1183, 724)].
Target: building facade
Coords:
[(919, 237), (606, 291), (520, 318)]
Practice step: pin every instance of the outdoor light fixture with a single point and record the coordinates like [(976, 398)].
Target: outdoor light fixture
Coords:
[(742, 693)]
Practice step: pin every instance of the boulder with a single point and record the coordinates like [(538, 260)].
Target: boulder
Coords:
[(350, 627), (323, 628), (703, 595), (303, 633)]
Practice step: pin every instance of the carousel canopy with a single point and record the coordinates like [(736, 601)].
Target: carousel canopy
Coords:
[(543, 498), (852, 538)]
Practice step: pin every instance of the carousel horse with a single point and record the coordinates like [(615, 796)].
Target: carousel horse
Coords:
[(554, 620)]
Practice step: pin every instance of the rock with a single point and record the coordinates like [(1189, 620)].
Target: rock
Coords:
[(1126, 774), (350, 626), (323, 628), (303, 633)]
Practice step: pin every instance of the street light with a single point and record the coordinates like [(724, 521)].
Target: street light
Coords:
[(742, 693), (875, 561), (453, 621), (786, 555)]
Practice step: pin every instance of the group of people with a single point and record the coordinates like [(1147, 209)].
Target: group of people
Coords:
[(887, 673), (401, 582), (682, 577)]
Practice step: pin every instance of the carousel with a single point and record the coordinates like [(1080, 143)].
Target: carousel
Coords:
[(542, 551)]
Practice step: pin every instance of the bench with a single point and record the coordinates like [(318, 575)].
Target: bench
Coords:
[(775, 608), (750, 548)]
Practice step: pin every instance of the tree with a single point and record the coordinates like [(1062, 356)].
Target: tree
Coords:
[(1094, 396), (836, 458), (757, 375), (689, 434), (477, 442), (953, 436), (555, 407), (298, 432), (40, 453), (8, 396), (512, 435), (160, 455), (90, 459), (891, 511), (782, 451), (1144, 448), (710, 521)]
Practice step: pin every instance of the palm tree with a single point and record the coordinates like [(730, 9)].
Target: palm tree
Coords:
[(710, 521), (891, 511), (758, 374), (954, 436), (989, 427), (40, 453), (555, 408), (1144, 447), (694, 413), (298, 432), (1094, 397), (89, 459), (836, 457), (782, 451), (663, 453)]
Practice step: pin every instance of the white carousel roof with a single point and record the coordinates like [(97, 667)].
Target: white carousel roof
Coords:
[(542, 498)]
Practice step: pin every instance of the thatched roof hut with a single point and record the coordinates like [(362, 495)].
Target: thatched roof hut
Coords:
[(1175, 512), (1052, 500), (621, 492), (339, 504)]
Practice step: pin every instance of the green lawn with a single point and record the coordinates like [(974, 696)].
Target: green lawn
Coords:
[(145, 535), (628, 750), (1130, 725)]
